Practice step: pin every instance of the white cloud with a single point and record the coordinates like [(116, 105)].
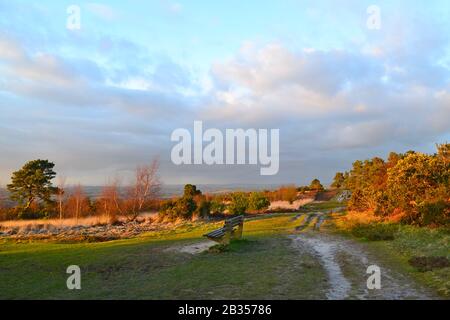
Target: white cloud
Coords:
[(273, 66), (95, 115), (101, 10), (344, 94)]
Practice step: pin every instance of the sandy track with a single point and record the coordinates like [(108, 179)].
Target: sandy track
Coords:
[(345, 263), (194, 248)]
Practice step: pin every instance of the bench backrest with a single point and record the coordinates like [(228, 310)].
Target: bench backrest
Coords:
[(234, 221)]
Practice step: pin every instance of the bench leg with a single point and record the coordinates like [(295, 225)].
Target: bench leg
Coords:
[(226, 238), (238, 233)]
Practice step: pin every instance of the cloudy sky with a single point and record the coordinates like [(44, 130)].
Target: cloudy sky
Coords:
[(102, 99)]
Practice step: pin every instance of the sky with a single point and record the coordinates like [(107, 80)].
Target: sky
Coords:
[(100, 100)]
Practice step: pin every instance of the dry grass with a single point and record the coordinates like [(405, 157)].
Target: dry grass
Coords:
[(88, 221), (353, 219), (289, 206)]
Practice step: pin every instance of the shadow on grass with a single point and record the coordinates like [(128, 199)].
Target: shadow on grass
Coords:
[(234, 246)]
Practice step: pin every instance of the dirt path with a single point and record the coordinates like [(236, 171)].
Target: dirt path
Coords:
[(345, 263), (195, 248), (330, 266)]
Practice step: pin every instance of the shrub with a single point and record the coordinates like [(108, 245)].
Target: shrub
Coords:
[(239, 203), (217, 206), (192, 204), (203, 206), (434, 214), (191, 191), (257, 201), (180, 208), (375, 231), (32, 214), (7, 214), (412, 187), (287, 193), (316, 185)]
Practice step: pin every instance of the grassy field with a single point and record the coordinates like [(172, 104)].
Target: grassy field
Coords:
[(261, 266), (264, 265), (397, 244), (410, 242), (319, 206)]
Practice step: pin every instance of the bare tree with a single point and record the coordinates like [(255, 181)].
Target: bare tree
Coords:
[(111, 200), (145, 188), (2, 213), (1, 195), (77, 194), (60, 195), (77, 202)]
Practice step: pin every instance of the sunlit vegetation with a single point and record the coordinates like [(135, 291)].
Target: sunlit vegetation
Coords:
[(150, 267), (35, 197), (411, 188), (420, 251), (193, 204)]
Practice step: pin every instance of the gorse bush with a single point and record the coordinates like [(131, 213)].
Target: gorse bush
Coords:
[(184, 207), (193, 204), (437, 213), (202, 206), (239, 203), (413, 183), (257, 201), (217, 205)]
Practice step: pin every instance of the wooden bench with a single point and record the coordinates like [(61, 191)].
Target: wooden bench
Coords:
[(232, 229)]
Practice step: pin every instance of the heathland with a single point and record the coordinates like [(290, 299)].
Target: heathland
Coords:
[(299, 242)]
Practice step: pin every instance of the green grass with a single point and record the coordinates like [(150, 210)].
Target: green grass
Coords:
[(396, 244), (263, 266), (424, 242), (376, 231), (318, 206)]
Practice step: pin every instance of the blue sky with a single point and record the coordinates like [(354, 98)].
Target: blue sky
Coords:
[(100, 100)]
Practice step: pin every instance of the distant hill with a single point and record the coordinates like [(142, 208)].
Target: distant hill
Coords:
[(169, 191)]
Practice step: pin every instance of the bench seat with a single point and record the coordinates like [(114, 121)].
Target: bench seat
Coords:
[(232, 229)]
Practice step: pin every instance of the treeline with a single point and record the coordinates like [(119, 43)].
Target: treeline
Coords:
[(194, 204), (291, 193), (412, 187), (35, 197)]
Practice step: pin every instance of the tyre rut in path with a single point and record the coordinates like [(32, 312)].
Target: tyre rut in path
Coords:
[(345, 264)]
